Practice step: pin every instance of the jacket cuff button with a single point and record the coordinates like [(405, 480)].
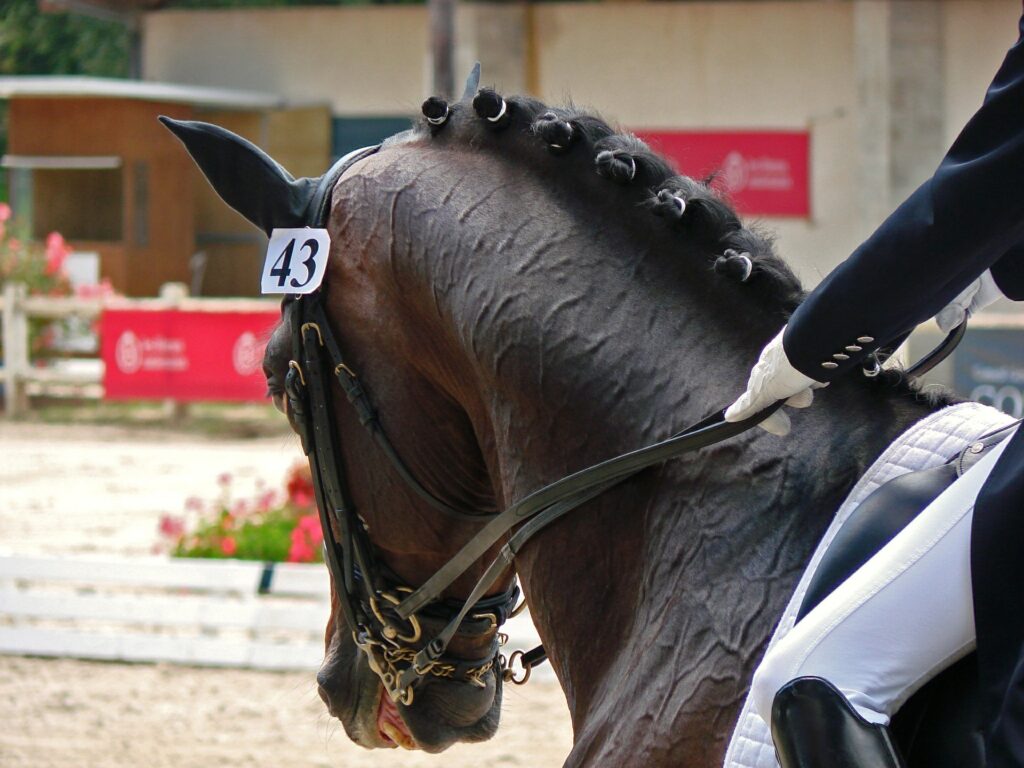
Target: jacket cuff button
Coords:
[(854, 348), (865, 339), (840, 356), (829, 365)]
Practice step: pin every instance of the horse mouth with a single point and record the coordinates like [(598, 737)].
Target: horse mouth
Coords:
[(391, 727), (280, 403)]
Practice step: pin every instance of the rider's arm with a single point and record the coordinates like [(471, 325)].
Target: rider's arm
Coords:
[(1008, 273), (954, 227)]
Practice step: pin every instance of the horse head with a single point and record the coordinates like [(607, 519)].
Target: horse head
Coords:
[(519, 292), (409, 539)]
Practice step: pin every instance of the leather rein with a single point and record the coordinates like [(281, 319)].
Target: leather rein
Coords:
[(405, 632)]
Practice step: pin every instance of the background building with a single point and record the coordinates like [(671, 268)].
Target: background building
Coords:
[(880, 87), (822, 115), (87, 157)]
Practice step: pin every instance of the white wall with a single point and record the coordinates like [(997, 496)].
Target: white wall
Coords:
[(723, 65), (361, 60), (977, 34), (712, 64)]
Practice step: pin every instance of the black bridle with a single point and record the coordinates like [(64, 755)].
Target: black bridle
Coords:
[(405, 632)]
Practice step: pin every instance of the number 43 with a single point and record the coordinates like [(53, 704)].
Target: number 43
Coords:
[(282, 268)]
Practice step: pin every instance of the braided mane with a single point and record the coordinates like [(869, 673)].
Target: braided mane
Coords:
[(530, 130)]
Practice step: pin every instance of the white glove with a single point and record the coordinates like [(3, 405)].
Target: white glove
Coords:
[(974, 297), (773, 378)]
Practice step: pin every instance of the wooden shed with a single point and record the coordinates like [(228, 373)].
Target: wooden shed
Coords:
[(86, 157)]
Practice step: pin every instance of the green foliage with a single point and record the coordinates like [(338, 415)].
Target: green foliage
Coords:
[(24, 261), (36, 43), (40, 269), (267, 539), (271, 527)]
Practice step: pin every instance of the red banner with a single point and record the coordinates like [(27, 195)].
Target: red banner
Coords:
[(765, 173), (184, 355)]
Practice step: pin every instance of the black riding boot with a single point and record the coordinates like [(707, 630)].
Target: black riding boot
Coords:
[(814, 726)]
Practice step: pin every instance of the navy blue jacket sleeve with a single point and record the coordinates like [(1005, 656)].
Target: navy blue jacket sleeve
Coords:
[(956, 225), (1008, 273)]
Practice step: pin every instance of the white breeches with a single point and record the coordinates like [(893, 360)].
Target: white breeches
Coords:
[(901, 618)]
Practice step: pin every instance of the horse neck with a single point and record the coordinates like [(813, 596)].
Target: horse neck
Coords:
[(566, 344), (679, 576), (580, 374)]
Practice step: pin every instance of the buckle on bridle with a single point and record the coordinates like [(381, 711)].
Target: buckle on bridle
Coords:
[(508, 673), (390, 631), (293, 365), (315, 327)]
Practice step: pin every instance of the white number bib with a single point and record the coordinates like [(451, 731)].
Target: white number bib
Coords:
[(296, 260)]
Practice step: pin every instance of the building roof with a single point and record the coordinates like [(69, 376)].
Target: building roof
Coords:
[(68, 86)]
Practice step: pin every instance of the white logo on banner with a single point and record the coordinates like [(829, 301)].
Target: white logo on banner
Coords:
[(247, 354), (149, 353), (127, 353), (734, 172), (758, 174)]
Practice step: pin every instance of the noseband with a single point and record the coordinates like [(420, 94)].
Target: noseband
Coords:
[(405, 632)]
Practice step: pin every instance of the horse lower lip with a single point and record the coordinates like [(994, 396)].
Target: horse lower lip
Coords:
[(391, 726)]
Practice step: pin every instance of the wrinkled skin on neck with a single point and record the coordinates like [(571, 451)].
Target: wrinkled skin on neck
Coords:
[(512, 328)]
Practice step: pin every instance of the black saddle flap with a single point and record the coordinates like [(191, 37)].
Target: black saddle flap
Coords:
[(872, 525)]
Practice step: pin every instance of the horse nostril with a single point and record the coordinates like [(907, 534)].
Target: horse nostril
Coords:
[(327, 686), (323, 680)]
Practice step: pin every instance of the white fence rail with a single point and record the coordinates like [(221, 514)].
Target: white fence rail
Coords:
[(222, 613), (18, 372), (198, 612)]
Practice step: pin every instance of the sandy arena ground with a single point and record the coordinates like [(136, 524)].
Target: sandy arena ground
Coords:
[(73, 490)]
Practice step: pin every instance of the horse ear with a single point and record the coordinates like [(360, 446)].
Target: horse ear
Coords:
[(472, 82), (245, 177)]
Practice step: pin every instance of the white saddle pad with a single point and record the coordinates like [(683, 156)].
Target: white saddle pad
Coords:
[(928, 443)]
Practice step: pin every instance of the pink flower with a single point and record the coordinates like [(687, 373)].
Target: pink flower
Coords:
[(310, 525), (172, 527), (239, 508), (266, 501), (228, 546), (301, 552), (306, 539), (193, 504), (5, 212), (102, 290), (299, 485), (56, 253), (224, 478)]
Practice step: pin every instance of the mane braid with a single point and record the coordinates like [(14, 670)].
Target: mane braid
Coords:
[(578, 142)]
